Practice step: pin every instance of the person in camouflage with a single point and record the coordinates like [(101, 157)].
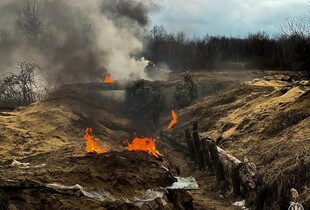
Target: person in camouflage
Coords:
[(186, 91)]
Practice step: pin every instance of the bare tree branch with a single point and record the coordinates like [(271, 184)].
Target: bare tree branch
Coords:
[(19, 89)]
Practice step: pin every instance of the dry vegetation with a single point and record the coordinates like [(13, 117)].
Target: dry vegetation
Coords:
[(41, 137), (21, 88), (256, 119), (259, 121)]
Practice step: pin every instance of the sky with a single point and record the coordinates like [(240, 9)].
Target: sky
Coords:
[(227, 17)]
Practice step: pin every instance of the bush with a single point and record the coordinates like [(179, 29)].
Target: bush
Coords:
[(20, 88)]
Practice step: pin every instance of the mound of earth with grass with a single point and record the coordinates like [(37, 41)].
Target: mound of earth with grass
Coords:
[(44, 163), (265, 120)]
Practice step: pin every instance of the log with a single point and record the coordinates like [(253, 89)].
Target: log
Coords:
[(198, 150), (217, 165), (237, 172), (190, 144), (228, 156), (206, 154), (231, 167)]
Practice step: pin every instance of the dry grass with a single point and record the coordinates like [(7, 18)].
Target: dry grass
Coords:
[(283, 121)]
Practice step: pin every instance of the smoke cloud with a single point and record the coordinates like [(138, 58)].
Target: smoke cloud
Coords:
[(74, 40), (132, 10)]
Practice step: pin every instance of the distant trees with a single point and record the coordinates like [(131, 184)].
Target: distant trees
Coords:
[(297, 29), (30, 20), (258, 51)]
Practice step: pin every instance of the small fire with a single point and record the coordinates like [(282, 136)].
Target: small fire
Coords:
[(107, 79), (174, 119), (92, 141), (143, 144)]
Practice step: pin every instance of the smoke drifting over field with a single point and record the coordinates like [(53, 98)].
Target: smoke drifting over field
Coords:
[(74, 40)]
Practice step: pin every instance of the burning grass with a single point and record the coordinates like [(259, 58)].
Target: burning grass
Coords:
[(143, 144), (91, 145), (107, 79), (174, 119)]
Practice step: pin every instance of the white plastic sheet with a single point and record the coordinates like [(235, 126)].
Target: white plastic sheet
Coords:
[(185, 183)]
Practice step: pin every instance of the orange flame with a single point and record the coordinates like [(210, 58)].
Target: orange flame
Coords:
[(91, 145), (107, 79), (143, 144), (174, 119)]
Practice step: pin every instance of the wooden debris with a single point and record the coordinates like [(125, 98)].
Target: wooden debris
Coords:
[(225, 166), (190, 144), (217, 165), (206, 154), (198, 150), (248, 173), (231, 166)]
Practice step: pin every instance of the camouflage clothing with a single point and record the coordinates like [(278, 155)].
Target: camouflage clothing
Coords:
[(186, 91)]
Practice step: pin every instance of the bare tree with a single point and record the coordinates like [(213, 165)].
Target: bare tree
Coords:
[(297, 29), (30, 19), (297, 26), (19, 89)]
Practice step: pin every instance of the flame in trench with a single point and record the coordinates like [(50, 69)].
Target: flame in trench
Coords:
[(107, 79), (174, 120), (143, 144), (91, 145)]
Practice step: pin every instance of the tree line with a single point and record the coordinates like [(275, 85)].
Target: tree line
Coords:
[(288, 51)]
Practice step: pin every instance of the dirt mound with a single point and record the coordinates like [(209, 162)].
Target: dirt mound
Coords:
[(108, 172), (44, 163), (60, 121), (261, 121)]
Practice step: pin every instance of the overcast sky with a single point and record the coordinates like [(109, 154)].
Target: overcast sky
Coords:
[(227, 17)]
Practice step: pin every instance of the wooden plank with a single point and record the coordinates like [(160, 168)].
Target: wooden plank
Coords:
[(190, 144), (198, 150), (206, 154), (217, 165), (231, 167)]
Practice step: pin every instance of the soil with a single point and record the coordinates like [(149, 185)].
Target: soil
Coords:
[(265, 120), (259, 121)]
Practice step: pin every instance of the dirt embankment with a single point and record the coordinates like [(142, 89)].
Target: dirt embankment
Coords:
[(44, 164), (265, 120)]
